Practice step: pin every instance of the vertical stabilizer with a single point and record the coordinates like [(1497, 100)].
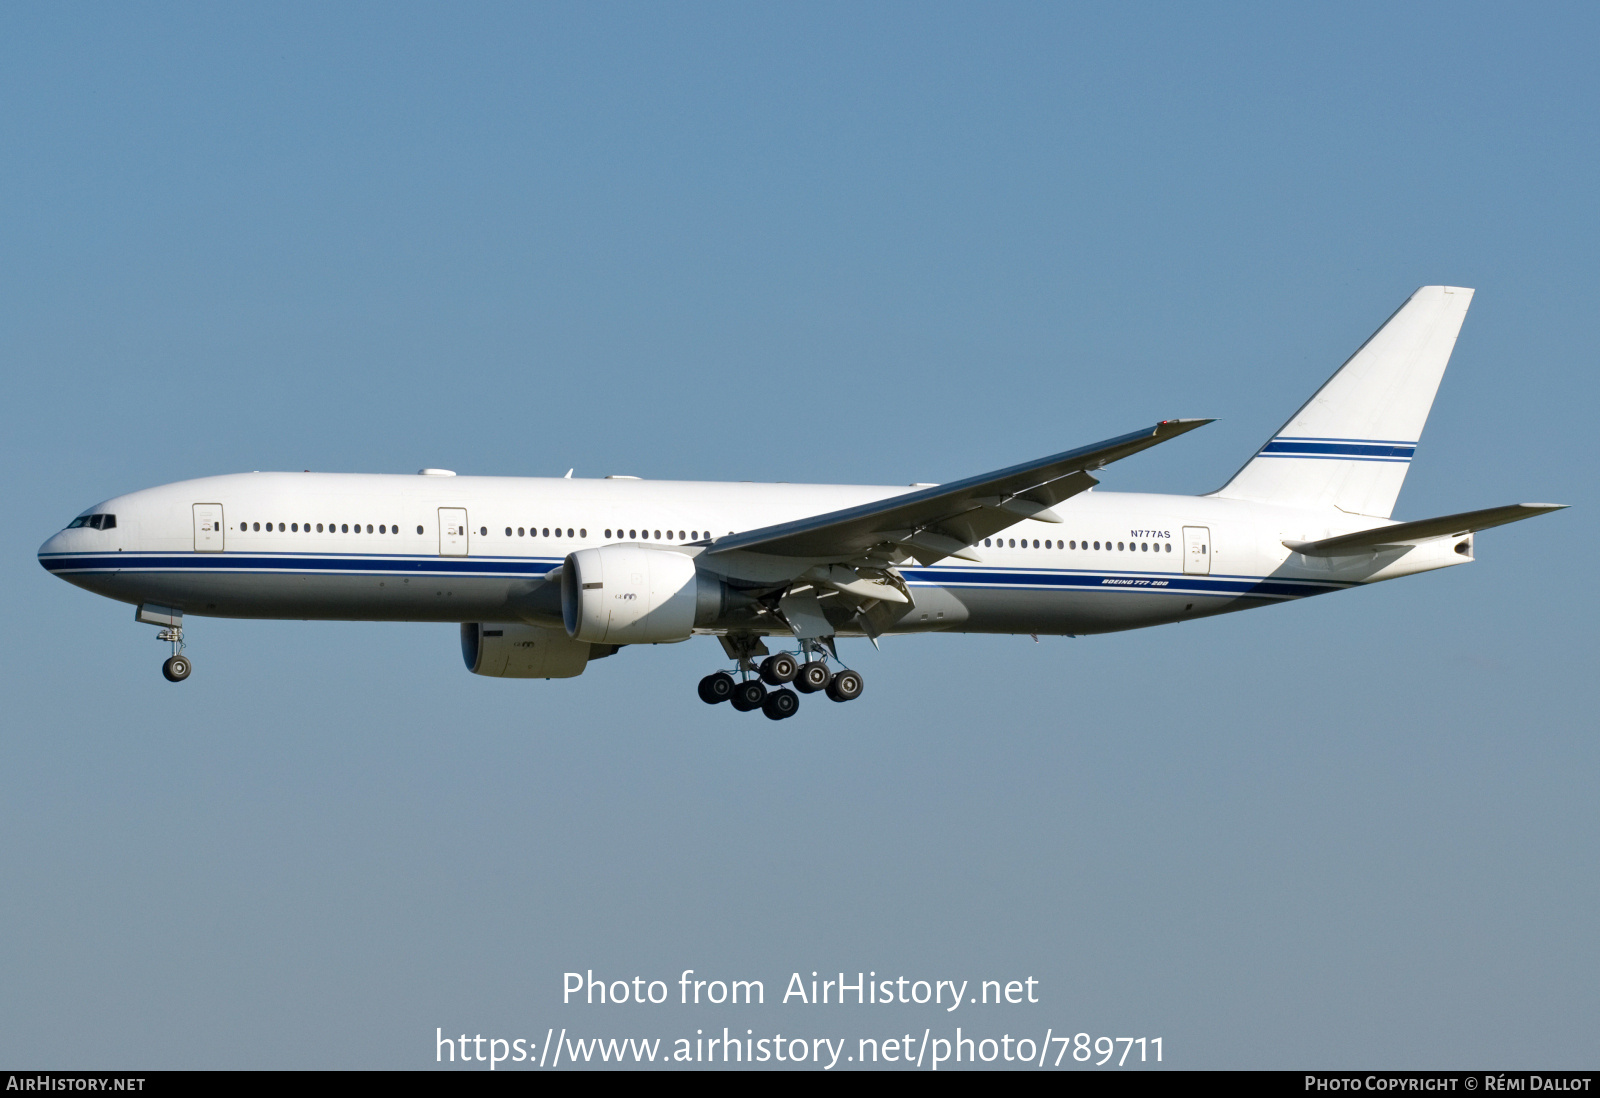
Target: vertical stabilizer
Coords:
[(1350, 445)]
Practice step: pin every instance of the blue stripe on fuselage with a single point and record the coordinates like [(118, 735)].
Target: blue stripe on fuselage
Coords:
[(295, 563), (1155, 583), (1170, 583)]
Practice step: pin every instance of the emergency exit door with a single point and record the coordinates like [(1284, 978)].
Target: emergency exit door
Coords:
[(452, 531), (208, 534), (1197, 550)]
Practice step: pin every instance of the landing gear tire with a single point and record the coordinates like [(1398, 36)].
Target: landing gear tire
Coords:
[(846, 686), (779, 669), (781, 704), (177, 668), (748, 695), (716, 687), (812, 677)]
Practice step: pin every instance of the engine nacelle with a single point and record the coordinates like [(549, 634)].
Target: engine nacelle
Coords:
[(522, 651), (628, 594)]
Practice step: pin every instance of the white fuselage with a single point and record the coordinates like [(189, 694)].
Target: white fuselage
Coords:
[(380, 547)]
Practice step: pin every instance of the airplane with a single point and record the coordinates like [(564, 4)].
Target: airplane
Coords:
[(548, 574)]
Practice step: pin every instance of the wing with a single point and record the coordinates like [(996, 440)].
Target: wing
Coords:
[(947, 519)]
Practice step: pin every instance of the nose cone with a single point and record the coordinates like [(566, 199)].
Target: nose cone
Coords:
[(53, 545)]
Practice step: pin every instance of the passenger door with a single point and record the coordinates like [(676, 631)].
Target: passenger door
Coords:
[(208, 531), (1197, 550), (452, 531)]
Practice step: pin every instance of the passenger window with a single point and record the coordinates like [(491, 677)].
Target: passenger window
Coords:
[(1097, 544), (483, 531), (1013, 543), (1036, 543), (419, 529), (582, 533), (1144, 547), (345, 528), (508, 531), (633, 535), (986, 541), (1169, 546)]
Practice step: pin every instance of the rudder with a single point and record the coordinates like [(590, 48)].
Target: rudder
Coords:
[(1350, 445)]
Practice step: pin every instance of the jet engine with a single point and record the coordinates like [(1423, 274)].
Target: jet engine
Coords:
[(522, 651), (630, 594)]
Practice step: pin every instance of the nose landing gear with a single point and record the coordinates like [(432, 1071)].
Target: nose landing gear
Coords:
[(177, 666)]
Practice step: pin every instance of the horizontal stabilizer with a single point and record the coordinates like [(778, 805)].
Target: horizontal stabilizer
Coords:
[(1404, 533)]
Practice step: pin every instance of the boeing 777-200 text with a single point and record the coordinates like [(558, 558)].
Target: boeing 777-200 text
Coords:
[(548, 574)]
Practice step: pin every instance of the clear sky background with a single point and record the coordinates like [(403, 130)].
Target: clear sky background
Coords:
[(884, 243)]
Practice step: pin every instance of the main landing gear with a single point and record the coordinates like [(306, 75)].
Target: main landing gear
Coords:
[(747, 693)]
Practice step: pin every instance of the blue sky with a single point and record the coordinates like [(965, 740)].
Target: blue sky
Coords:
[(873, 244)]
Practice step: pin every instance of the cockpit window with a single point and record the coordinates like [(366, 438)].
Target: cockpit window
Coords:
[(94, 522)]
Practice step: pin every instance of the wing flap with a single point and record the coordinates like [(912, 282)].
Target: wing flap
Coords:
[(1402, 533)]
